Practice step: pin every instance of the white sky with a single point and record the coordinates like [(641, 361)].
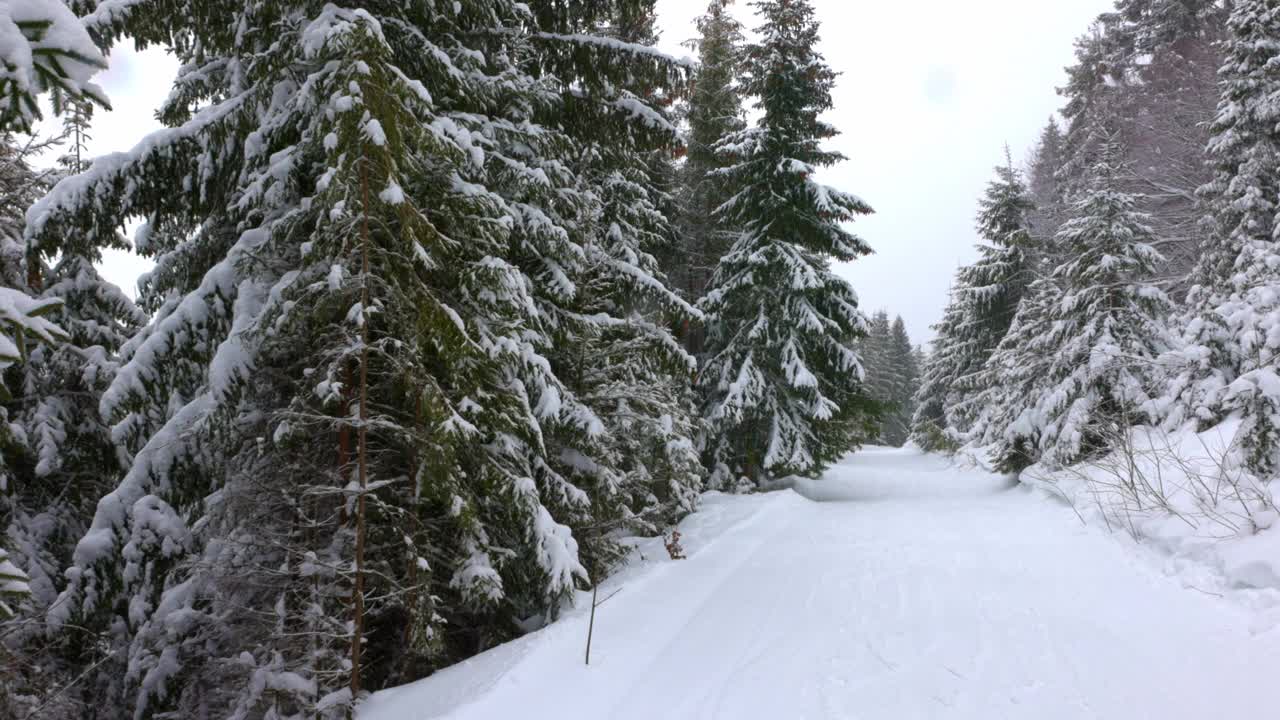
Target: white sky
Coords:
[(931, 91)]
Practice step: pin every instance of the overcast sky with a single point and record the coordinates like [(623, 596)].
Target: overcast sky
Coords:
[(931, 91)]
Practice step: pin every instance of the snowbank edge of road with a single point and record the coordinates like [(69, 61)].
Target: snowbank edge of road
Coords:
[(1233, 553)]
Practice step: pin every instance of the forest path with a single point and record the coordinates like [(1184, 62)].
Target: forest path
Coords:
[(896, 587)]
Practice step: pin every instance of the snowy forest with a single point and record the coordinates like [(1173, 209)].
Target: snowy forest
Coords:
[(1127, 277), (451, 301)]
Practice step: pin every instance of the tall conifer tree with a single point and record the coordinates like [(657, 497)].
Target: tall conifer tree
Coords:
[(991, 289), (1044, 187), (70, 458), (714, 113), (783, 381), (347, 425), (640, 465), (1076, 368), (906, 381), (938, 375)]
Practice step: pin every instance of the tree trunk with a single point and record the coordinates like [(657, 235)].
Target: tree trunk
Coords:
[(362, 438)]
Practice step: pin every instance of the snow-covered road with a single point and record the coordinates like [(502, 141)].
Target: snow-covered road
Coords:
[(895, 588)]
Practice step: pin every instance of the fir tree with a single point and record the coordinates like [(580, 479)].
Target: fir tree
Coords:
[(1044, 187), (1231, 354), (714, 113), (616, 350), (984, 300), (1008, 422), (348, 424), (892, 376), (1087, 353), (905, 375), (877, 358), (25, 319), (783, 382), (1145, 77), (70, 458), (938, 374), (63, 384), (990, 290)]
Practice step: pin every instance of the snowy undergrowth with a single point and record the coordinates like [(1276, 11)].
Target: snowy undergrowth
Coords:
[(1187, 498)]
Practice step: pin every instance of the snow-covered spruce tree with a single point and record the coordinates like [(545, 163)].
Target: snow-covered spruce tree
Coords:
[(1044, 186), (44, 48), (905, 382), (990, 290), (27, 328), (24, 324), (714, 112), (937, 376), (782, 379), (71, 458), (614, 347), (309, 138), (20, 185), (877, 363), (1231, 344), (1009, 422), (919, 358), (1090, 351)]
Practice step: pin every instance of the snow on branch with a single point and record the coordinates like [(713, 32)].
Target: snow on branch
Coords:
[(116, 175), (43, 48), (613, 45)]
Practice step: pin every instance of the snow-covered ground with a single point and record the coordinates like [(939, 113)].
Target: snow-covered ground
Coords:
[(897, 587), (1187, 497)]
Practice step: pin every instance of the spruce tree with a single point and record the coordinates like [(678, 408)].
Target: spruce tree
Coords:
[(63, 384), (1009, 424), (877, 360), (1088, 345), (938, 374), (984, 300), (1044, 187), (1230, 353), (783, 381), (714, 113), (24, 316), (990, 290), (69, 457), (640, 465), (348, 426), (905, 374)]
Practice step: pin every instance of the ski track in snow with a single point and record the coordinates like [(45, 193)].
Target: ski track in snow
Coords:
[(897, 587)]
